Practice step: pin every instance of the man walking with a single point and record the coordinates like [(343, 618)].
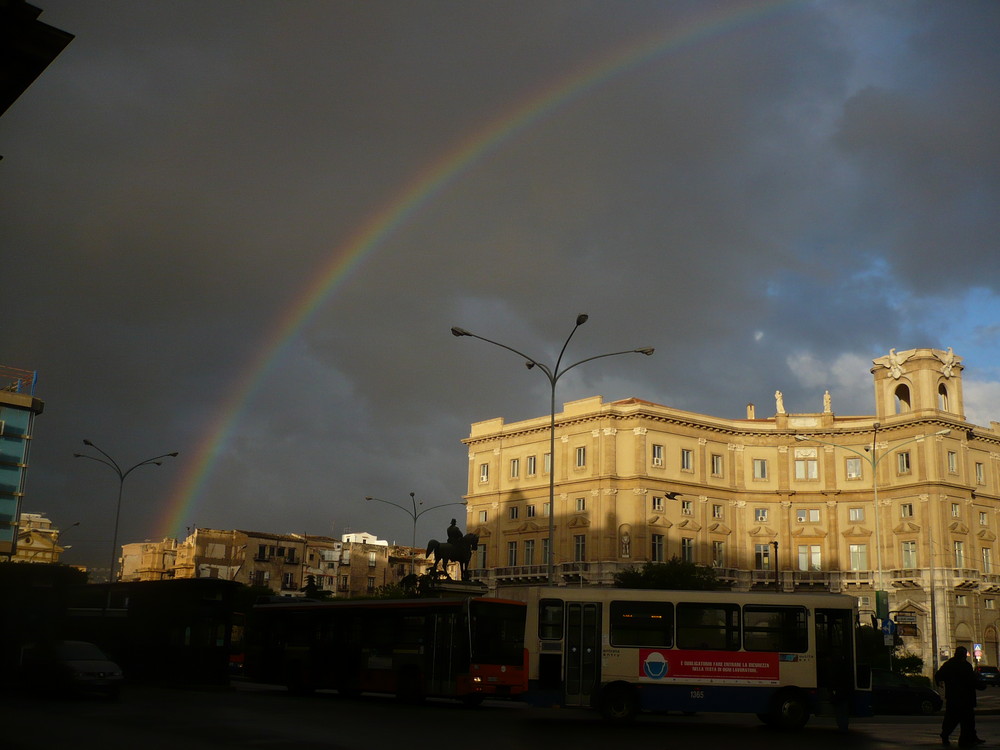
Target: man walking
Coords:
[(960, 685)]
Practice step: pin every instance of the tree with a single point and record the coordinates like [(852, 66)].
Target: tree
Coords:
[(673, 574)]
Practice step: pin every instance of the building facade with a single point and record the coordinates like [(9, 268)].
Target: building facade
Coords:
[(37, 540), (18, 409), (357, 564), (903, 501)]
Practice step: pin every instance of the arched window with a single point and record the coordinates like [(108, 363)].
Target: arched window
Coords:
[(902, 398), (943, 397)]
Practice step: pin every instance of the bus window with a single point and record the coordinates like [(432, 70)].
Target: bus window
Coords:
[(710, 627), (648, 624), (497, 633), (774, 628), (550, 619)]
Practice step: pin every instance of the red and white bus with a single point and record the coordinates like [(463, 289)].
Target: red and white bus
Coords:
[(623, 651), (464, 648)]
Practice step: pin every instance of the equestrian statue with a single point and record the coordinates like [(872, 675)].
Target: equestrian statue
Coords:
[(458, 549)]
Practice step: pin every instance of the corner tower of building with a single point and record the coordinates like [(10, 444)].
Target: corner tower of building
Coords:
[(918, 383)]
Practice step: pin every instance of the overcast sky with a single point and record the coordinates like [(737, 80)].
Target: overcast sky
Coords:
[(243, 230)]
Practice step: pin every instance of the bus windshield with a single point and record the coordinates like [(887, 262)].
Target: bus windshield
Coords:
[(497, 632)]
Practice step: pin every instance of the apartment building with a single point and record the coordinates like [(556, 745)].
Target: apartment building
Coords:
[(904, 500)]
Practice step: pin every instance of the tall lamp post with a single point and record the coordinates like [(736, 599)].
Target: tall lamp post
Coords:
[(552, 374), (108, 461), (870, 455), (414, 514)]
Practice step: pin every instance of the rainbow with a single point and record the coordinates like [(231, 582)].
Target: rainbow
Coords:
[(423, 188)]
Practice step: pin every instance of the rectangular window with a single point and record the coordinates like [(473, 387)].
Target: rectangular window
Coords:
[(371, 559), (909, 550), (344, 583), (807, 515), (987, 560), (580, 547), (642, 624), (687, 549), (708, 627), (515, 468), (982, 518), (961, 600), (512, 513), (857, 514), (806, 468), (531, 466), (371, 585), (545, 551), (657, 504), (760, 515), (760, 468), (687, 460), (952, 462), (550, 619), (859, 556), (288, 580), (529, 511), (809, 557), (906, 510), (762, 556), (716, 465), (547, 463), (980, 473), (852, 468), (484, 473), (903, 462), (529, 551), (511, 554), (482, 516), (581, 503), (687, 508), (658, 548), (775, 628), (581, 457), (657, 455), (956, 510), (546, 509), (959, 548), (719, 554), (716, 511), (990, 603)]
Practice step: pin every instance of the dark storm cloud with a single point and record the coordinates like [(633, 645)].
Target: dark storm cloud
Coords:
[(770, 205)]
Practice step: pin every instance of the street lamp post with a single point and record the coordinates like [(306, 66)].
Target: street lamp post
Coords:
[(414, 514), (873, 461), (552, 374), (108, 461)]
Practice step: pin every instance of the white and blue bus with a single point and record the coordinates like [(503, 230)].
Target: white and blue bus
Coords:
[(780, 656)]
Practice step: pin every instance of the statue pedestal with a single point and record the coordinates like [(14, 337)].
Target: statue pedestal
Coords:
[(447, 587)]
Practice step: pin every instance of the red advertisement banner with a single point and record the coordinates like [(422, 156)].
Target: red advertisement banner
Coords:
[(659, 664)]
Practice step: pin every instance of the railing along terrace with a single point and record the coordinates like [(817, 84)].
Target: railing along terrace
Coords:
[(14, 380)]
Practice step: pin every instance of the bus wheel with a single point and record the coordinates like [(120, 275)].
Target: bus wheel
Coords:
[(790, 710), (618, 703)]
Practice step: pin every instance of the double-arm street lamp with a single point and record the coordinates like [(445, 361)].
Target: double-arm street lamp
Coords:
[(108, 461), (414, 514), (870, 455), (552, 374)]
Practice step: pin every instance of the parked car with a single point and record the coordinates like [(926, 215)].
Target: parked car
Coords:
[(989, 675), (70, 668), (897, 694)]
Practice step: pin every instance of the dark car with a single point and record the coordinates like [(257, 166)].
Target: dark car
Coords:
[(70, 668), (988, 675), (897, 694)]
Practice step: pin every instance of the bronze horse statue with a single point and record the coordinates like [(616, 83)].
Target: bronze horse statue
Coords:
[(458, 551)]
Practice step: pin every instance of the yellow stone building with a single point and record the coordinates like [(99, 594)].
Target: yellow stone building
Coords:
[(903, 501)]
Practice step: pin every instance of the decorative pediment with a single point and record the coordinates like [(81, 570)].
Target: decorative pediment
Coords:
[(483, 532), (690, 524), (528, 527), (908, 605), (578, 522), (857, 531), (987, 536), (720, 528), (809, 531), (906, 527), (763, 531), (958, 527), (660, 521)]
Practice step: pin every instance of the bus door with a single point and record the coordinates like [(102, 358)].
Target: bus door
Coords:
[(582, 651), (835, 653), (445, 659)]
